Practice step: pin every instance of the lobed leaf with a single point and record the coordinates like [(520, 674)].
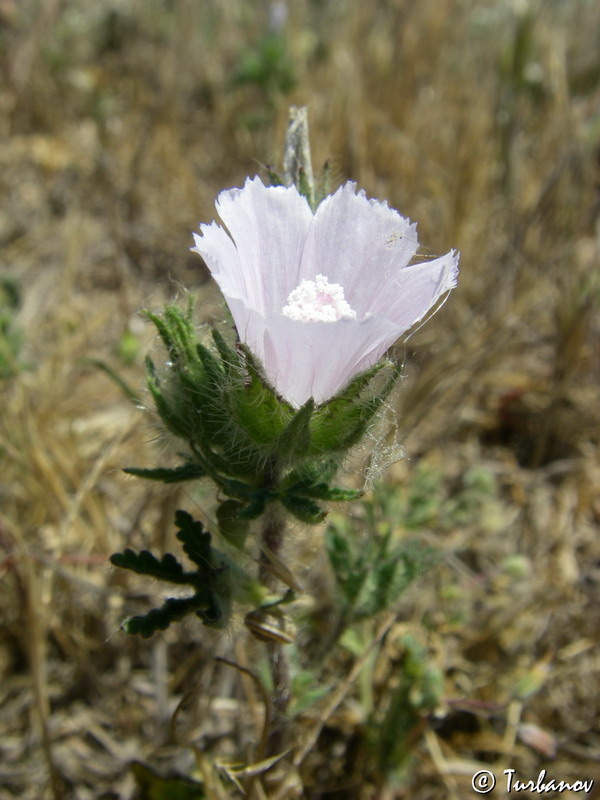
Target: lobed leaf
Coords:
[(304, 509), (185, 472), (196, 542), (144, 563), (159, 619)]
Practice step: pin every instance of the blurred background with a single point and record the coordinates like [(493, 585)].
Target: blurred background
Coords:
[(119, 124)]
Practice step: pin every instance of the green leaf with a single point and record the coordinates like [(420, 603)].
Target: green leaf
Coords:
[(390, 575), (195, 540), (240, 490), (334, 493), (322, 491), (216, 610), (127, 390), (381, 594), (255, 507), (304, 509), (338, 550), (186, 472), (159, 619), (144, 563), (214, 580), (350, 574), (312, 472), (417, 692), (312, 480)]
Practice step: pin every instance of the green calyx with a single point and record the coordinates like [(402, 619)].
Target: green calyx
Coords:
[(251, 443)]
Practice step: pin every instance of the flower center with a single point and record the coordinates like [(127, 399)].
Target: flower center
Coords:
[(318, 301)]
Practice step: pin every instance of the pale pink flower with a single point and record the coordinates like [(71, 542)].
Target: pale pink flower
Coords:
[(318, 297)]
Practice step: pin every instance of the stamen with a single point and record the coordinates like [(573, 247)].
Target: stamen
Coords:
[(318, 301)]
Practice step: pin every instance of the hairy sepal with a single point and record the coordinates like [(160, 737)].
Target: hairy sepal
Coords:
[(255, 407), (236, 427), (341, 422)]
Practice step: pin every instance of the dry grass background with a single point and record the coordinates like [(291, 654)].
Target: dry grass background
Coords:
[(120, 123)]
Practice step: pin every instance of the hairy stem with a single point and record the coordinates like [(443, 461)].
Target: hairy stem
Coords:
[(272, 540)]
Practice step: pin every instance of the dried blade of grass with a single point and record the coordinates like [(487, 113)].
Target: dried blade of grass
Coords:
[(252, 770), (279, 569), (173, 736), (513, 719), (89, 481), (262, 744), (212, 784), (37, 650), (242, 655), (441, 764)]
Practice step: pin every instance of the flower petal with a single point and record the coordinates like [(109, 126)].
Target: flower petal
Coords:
[(317, 359), (274, 244), (360, 244), (221, 257), (269, 226), (415, 289)]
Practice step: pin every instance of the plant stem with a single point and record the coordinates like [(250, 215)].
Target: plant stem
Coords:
[(272, 538)]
